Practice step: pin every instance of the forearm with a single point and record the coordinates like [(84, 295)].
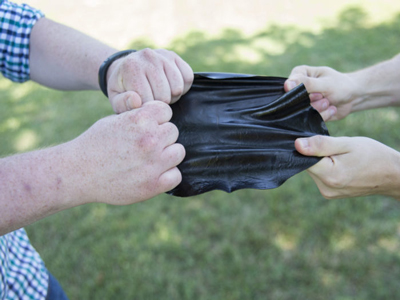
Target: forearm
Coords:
[(63, 58), (378, 85), (35, 185), (121, 159)]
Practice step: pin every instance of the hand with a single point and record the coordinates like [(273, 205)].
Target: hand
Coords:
[(332, 93), (147, 75), (352, 167), (131, 157)]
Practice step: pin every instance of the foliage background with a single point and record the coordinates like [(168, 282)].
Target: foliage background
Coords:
[(286, 243)]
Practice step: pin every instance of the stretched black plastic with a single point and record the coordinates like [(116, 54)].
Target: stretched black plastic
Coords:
[(239, 132)]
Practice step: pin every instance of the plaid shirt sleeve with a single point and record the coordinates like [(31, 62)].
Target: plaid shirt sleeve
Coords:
[(16, 23)]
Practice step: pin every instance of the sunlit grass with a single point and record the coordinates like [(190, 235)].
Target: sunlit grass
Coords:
[(286, 243)]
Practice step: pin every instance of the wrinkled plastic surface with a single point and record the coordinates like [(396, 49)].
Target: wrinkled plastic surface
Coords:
[(239, 132)]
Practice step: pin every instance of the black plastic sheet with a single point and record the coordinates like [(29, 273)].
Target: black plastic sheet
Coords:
[(239, 131)]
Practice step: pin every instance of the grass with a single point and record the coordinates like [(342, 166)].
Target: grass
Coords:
[(286, 243)]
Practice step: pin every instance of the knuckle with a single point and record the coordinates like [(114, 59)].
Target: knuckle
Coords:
[(155, 107), (148, 141), (131, 65), (177, 91), (317, 142), (141, 116), (149, 55), (163, 97), (299, 69), (325, 69), (147, 52), (181, 152), (173, 129), (169, 130), (188, 79), (165, 52), (173, 178), (307, 81), (130, 61)]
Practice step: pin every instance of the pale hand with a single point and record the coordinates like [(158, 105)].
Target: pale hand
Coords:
[(147, 75), (352, 166), (332, 93), (128, 157)]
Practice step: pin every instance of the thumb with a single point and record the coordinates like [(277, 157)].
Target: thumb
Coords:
[(295, 78), (321, 145), (290, 84), (122, 102)]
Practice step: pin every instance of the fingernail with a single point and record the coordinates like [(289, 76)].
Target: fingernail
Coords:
[(303, 143), (324, 105), (291, 84), (128, 104)]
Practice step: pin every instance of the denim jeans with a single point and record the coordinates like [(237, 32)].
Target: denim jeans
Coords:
[(55, 291)]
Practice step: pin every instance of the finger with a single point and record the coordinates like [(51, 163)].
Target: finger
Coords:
[(320, 145), (159, 84), (320, 105), (306, 71), (125, 101), (140, 84), (299, 70), (289, 85), (326, 111), (133, 77), (316, 97), (295, 77), (329, 114), (313, 85), (175, 81), (309, 76), (326, 191), (187, 74), (158, 110), (169, 180), (173, 155), (169, 133), (322, 167)]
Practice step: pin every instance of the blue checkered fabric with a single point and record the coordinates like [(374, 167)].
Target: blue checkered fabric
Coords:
[(22, 271), (16, 22), (23, 274)]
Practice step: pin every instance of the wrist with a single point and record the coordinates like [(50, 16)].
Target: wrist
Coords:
[(377, 86), (36, 184), (106, 68), (358, 96), (392, 177)]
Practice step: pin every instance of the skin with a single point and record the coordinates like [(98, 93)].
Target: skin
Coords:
[(352, 166), (121, 159), (148, 75), (143, 76)]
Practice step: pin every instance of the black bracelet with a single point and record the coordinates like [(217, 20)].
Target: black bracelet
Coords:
[(104, 68)]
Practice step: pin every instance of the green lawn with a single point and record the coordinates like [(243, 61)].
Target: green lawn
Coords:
[(286, 243)]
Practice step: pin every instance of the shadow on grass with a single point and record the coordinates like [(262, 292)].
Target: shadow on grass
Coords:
[(286, 243), (349, 45)]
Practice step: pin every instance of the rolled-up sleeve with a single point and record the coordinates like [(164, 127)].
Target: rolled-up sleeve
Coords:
[(16, 23)]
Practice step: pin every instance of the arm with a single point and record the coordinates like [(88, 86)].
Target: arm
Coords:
[(352, 167), (63, 58), (121, 159), (335, 94), (72, 61)]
